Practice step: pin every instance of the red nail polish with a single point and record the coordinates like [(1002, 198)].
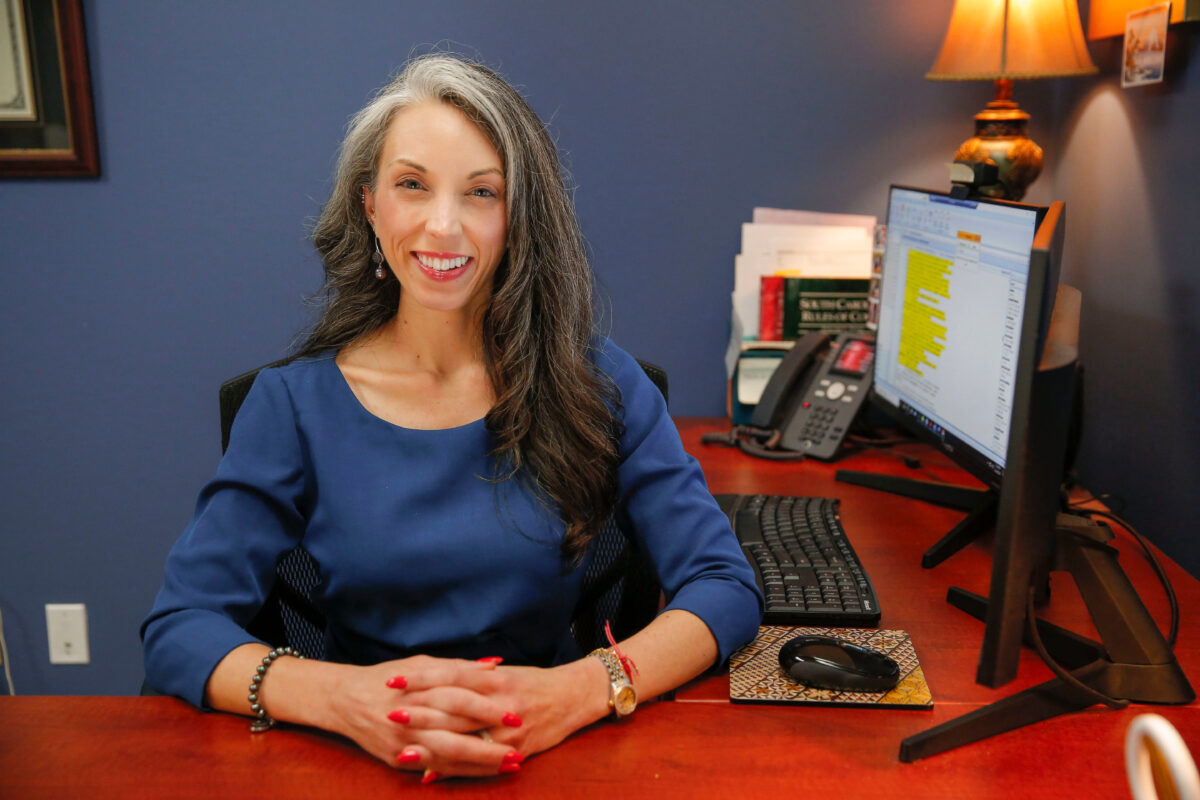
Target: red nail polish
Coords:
[(398, 682), (408, 757), (399, 715), (430, 776), (490, 660), (511, 720), (513, 757), (508, 768)]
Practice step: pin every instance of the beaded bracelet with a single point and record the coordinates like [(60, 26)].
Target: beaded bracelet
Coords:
[(261, 721)]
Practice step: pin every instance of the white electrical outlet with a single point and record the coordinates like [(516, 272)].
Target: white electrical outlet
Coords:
[(66, 626)]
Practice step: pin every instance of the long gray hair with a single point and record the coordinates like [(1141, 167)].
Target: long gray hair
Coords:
[(555, 419)]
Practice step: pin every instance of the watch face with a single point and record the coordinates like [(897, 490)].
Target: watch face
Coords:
[(625, 701)]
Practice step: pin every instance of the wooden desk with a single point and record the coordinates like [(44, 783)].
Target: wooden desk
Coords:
[(700, 746)]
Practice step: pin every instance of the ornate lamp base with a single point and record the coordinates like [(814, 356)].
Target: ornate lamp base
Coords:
[(1000, 139)]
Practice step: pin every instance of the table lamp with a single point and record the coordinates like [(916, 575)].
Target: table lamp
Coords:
[(1002, 40)]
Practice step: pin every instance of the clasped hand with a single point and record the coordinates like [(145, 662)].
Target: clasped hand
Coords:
[(448, 717)]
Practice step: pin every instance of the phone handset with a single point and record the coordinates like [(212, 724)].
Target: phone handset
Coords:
[(779, 397), (780, 393)]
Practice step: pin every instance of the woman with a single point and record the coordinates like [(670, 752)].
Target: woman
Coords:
[(451, 438)]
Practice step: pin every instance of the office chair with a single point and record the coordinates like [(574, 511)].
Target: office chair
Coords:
[(620, 585)]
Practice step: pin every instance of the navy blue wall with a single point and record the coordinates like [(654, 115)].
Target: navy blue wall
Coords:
[(1127, 168), (125, 301)]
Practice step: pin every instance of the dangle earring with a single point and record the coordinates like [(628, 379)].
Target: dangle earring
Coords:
[(377, 259)]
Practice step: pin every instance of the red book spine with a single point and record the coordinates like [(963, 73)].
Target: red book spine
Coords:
[(770, 308)]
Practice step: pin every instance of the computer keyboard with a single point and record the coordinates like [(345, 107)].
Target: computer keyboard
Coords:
[(802, 560)]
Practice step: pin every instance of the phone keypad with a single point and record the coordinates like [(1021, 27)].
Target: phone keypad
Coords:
[(820, 421)]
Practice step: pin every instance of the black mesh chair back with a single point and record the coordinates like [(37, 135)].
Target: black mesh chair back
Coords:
[(620, 586), (288, 618)]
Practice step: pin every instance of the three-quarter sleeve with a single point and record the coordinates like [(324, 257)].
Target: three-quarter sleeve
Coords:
[(221, 569), (664, 498)]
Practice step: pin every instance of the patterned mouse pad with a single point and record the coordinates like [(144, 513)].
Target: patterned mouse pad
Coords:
[(755, 675)]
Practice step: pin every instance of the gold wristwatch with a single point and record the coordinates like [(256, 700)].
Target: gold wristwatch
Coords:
[(622, 697)]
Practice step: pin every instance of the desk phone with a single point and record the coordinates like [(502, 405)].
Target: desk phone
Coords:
[(816, 391)]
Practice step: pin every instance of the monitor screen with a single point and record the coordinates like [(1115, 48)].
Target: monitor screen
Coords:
[(952, 299)]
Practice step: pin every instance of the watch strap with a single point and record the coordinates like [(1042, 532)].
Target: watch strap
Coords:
[(622, 698)]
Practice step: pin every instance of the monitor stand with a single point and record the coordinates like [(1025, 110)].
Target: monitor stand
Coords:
[(1131, 663), (980, 505)]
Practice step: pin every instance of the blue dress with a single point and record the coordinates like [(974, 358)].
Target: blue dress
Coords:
[(420, 549)]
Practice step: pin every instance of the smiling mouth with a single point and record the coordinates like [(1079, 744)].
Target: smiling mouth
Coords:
[(442, 268)]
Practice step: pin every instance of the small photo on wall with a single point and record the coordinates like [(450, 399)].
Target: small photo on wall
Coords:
[(1145, 45)]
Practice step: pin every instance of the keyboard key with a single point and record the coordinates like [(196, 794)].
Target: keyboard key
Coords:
[(747, 527)]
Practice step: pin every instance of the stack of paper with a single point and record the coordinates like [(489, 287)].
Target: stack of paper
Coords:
[(797, 243)]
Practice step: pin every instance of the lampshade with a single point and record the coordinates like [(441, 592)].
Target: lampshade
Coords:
[(992, 39)]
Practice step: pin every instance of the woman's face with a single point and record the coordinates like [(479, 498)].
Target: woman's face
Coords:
[(438, 208)]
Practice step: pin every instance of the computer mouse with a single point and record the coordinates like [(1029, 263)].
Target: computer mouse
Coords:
[(830, 663)]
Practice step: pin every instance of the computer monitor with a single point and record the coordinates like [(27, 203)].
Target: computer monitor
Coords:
[(975, 355), (954, 289), (956, 275)]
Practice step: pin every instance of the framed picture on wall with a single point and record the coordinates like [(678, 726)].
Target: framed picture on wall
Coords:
[(1145, 46), (47, 122)]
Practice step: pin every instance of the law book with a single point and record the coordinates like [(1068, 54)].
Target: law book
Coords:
[(793, 306), (770, 311)]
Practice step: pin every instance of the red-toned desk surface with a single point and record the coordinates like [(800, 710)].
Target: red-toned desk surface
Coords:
[(698, 747), (157, 747)]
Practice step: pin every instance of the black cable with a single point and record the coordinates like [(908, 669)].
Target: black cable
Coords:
[(878, 442), (1062, 674), (1148, 550), (912, 462), (752, 448), (757, 442), (730, 438), (1114, 503)]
